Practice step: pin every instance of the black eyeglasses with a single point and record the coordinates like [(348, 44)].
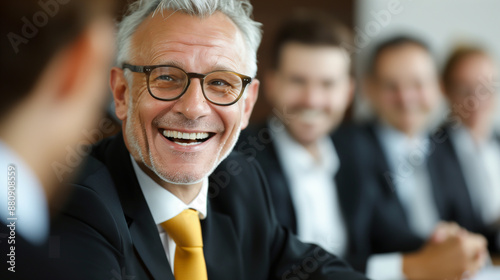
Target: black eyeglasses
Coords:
[(168, 83)]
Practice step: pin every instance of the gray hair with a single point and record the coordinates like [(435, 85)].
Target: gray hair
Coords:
[(239, 11)]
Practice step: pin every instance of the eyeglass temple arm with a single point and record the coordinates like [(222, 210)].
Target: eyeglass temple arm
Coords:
[(133, 68)]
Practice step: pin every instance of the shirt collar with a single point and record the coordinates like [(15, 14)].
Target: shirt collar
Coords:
[(462, 133), (297, 158), (163, 204), (398, 145)]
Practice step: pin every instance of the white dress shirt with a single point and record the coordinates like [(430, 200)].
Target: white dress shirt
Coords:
[(164, 206), (313, 191), (407, 159), (31, 214), (480, 163)]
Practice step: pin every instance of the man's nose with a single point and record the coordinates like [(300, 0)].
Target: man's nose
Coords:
[(312, 96), (406, 97), (192, 104)]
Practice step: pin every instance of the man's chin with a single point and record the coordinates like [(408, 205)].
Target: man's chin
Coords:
[(179, 177)]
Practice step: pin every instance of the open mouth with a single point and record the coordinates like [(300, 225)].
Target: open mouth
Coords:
[(310, 115), (187, 139)]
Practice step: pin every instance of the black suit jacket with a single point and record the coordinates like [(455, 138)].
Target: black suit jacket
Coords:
[(453, 180), (107, 231), (356, 197), (375, 219), (448, 188)]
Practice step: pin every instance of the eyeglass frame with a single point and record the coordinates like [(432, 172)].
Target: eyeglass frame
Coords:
[(147, 69)]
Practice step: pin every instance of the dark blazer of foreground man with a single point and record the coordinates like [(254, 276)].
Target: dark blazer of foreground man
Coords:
[(178, 126), (108, 230)]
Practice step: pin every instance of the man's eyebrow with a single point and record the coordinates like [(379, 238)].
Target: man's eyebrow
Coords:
[(219, 67), (214, 67), (171, 63)]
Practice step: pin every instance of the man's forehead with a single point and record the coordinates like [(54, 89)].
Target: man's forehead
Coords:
[(411, 62), (178, 31), (314, 62)]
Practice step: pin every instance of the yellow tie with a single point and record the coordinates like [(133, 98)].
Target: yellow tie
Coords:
[(185, 230)]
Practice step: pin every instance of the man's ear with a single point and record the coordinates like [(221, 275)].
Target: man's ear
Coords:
[(252, 94), (352, 89), (119, 87), (368, 88), (442, 88), (270, 80)]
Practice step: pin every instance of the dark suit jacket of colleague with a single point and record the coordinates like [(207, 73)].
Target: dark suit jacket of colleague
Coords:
[(375, 219), (449, 167), (355, 194), (107, 230), (447, 185)]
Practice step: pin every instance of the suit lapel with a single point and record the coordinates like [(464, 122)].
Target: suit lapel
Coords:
[(383, 173), (437, 187), (280, 188), (143, 230), (220, 247)]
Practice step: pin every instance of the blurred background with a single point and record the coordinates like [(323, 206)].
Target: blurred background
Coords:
[(442, 24)]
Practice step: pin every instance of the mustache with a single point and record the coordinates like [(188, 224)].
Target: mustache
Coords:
[(180, 121)]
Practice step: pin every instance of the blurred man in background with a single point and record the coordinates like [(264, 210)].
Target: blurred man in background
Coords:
[(414, 195), (54, 55), (472, 147), (310, 86)]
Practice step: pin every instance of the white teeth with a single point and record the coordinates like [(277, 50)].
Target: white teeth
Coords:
[(183, 135), (187, 144), (310, 115)]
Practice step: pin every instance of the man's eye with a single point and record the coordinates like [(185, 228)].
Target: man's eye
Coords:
[(220, 83), (297, 81), (165, 78)]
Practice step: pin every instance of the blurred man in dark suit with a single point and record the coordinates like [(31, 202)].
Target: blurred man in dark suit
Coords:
[(54, 59), (414, 193), (471, 147), (309, 87), (324, 188), (147, 206)]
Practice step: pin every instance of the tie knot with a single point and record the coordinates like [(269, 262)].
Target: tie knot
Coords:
[(185, 229)]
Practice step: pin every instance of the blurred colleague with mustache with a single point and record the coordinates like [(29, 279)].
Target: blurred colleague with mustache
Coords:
[(54, 55), (471, 147), (415, 200), (158, 201)]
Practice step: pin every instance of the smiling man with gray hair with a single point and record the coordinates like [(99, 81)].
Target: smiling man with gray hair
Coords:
[(167, 199)]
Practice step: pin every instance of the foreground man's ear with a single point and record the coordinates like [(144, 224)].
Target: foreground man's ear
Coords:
[(252, 95), (119, 87)]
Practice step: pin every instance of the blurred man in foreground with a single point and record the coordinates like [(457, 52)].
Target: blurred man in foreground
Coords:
[(149, 204), (54, 58), (472, 147), (414, 194)]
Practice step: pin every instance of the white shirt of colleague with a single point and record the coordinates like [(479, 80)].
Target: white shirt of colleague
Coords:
[(313, 191), (414, 190)]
